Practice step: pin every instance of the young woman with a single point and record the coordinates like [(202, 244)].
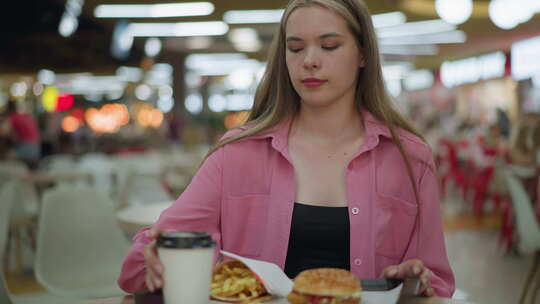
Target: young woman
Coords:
[(324, 174)]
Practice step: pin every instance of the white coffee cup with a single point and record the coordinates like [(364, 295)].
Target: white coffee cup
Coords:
[(187, 263)]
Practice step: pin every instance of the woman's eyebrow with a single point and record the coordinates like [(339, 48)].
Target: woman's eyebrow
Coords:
[(323, 36)]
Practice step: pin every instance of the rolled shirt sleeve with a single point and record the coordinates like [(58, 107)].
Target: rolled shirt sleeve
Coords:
[(427, 243), (197, 209)]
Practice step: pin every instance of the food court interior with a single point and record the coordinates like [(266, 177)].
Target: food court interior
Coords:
[(126, 97)]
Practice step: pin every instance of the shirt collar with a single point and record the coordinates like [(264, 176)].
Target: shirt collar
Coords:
[(279, 134)]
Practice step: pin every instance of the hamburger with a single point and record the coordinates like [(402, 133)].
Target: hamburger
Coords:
[(325, 286), (234, 282)]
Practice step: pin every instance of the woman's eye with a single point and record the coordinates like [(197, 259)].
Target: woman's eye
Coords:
[(330, 48), (295, 50)]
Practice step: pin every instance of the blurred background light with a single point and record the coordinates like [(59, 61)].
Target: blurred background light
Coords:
[(245, 39), (165, 91), (233, 120), (198, 42), (524, 58), (504, 14), (49, 98), (122, 40), (217, 103), (194, 103), (46, 77), (70, 124), (388, 19), (152, 47), (418, 80), (153, 10), (69, 21), (252, 16), (165, 104), (454, 11), (19, 89), (131, 74), (240, 79), (37, 89), (415, 28), (143, 92), (179, 29)]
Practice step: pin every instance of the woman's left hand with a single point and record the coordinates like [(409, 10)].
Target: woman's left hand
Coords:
[(412, 269)]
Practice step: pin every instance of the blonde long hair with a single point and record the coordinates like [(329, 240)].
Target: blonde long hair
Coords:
[(276, 99)]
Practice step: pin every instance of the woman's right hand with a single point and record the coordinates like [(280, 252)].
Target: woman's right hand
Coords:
[(154, 267)]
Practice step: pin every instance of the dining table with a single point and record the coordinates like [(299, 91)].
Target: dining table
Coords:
[(134, 217), (142, 299)]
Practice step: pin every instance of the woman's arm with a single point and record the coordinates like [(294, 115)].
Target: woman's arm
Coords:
[(427, 243), (197, 209)]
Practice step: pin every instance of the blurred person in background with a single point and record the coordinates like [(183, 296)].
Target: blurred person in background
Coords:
[(522, 157), (521, 151), (325, 173), (23, 130), (535, 138)]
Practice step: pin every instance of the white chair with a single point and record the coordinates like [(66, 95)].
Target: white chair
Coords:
[(22, 219), (100, 167), (7, 193), (139, 181), (80, 248), (528, 231)]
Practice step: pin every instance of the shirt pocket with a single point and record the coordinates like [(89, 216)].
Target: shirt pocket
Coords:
[(395, 221), (244, 225)]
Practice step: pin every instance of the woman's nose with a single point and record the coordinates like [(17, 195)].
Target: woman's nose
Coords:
[(311, 60)]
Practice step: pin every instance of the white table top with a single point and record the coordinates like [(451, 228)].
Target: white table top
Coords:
[(143, 215)]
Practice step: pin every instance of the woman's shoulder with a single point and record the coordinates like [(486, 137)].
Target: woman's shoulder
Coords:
[(414, 145)]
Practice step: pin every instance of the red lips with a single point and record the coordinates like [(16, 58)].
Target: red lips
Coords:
[(313, 82)]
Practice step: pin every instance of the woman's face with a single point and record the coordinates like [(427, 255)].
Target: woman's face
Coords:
[(322, 56)]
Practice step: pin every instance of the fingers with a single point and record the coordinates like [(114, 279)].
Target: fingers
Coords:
[(407, 269), (391, 272), (154, 268), (412, 269), (425, 283)]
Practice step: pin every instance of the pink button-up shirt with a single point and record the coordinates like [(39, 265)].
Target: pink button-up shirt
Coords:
[(245, 191)]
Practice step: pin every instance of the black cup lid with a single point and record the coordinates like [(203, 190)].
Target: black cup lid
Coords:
[(185, 240)]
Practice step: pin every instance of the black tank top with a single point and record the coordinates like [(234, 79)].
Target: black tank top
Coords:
[(319, 238)]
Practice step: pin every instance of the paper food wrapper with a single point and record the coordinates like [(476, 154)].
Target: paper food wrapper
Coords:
[(278, 284)]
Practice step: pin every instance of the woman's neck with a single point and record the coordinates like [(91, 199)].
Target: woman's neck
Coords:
[(329, 124)]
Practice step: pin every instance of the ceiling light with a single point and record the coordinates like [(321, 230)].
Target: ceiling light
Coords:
[(436, 38), (154, 10), (524, 56), (245, 39), (454, 11), (193, 60), (143, 92), (165, 104), (503, 14), (508, 14), (418, 80), (194, 103), (253, 16), (427, 49), (68, 25), (198, 42), (217, 103), (180, 29), (46, 77), (152, 47), (388, 19), (415, 28), (470, 70)]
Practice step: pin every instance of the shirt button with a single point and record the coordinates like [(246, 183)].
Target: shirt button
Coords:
[(355, 210), (357, 262)]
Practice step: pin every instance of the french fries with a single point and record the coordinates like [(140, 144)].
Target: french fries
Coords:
[(232, 281)]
